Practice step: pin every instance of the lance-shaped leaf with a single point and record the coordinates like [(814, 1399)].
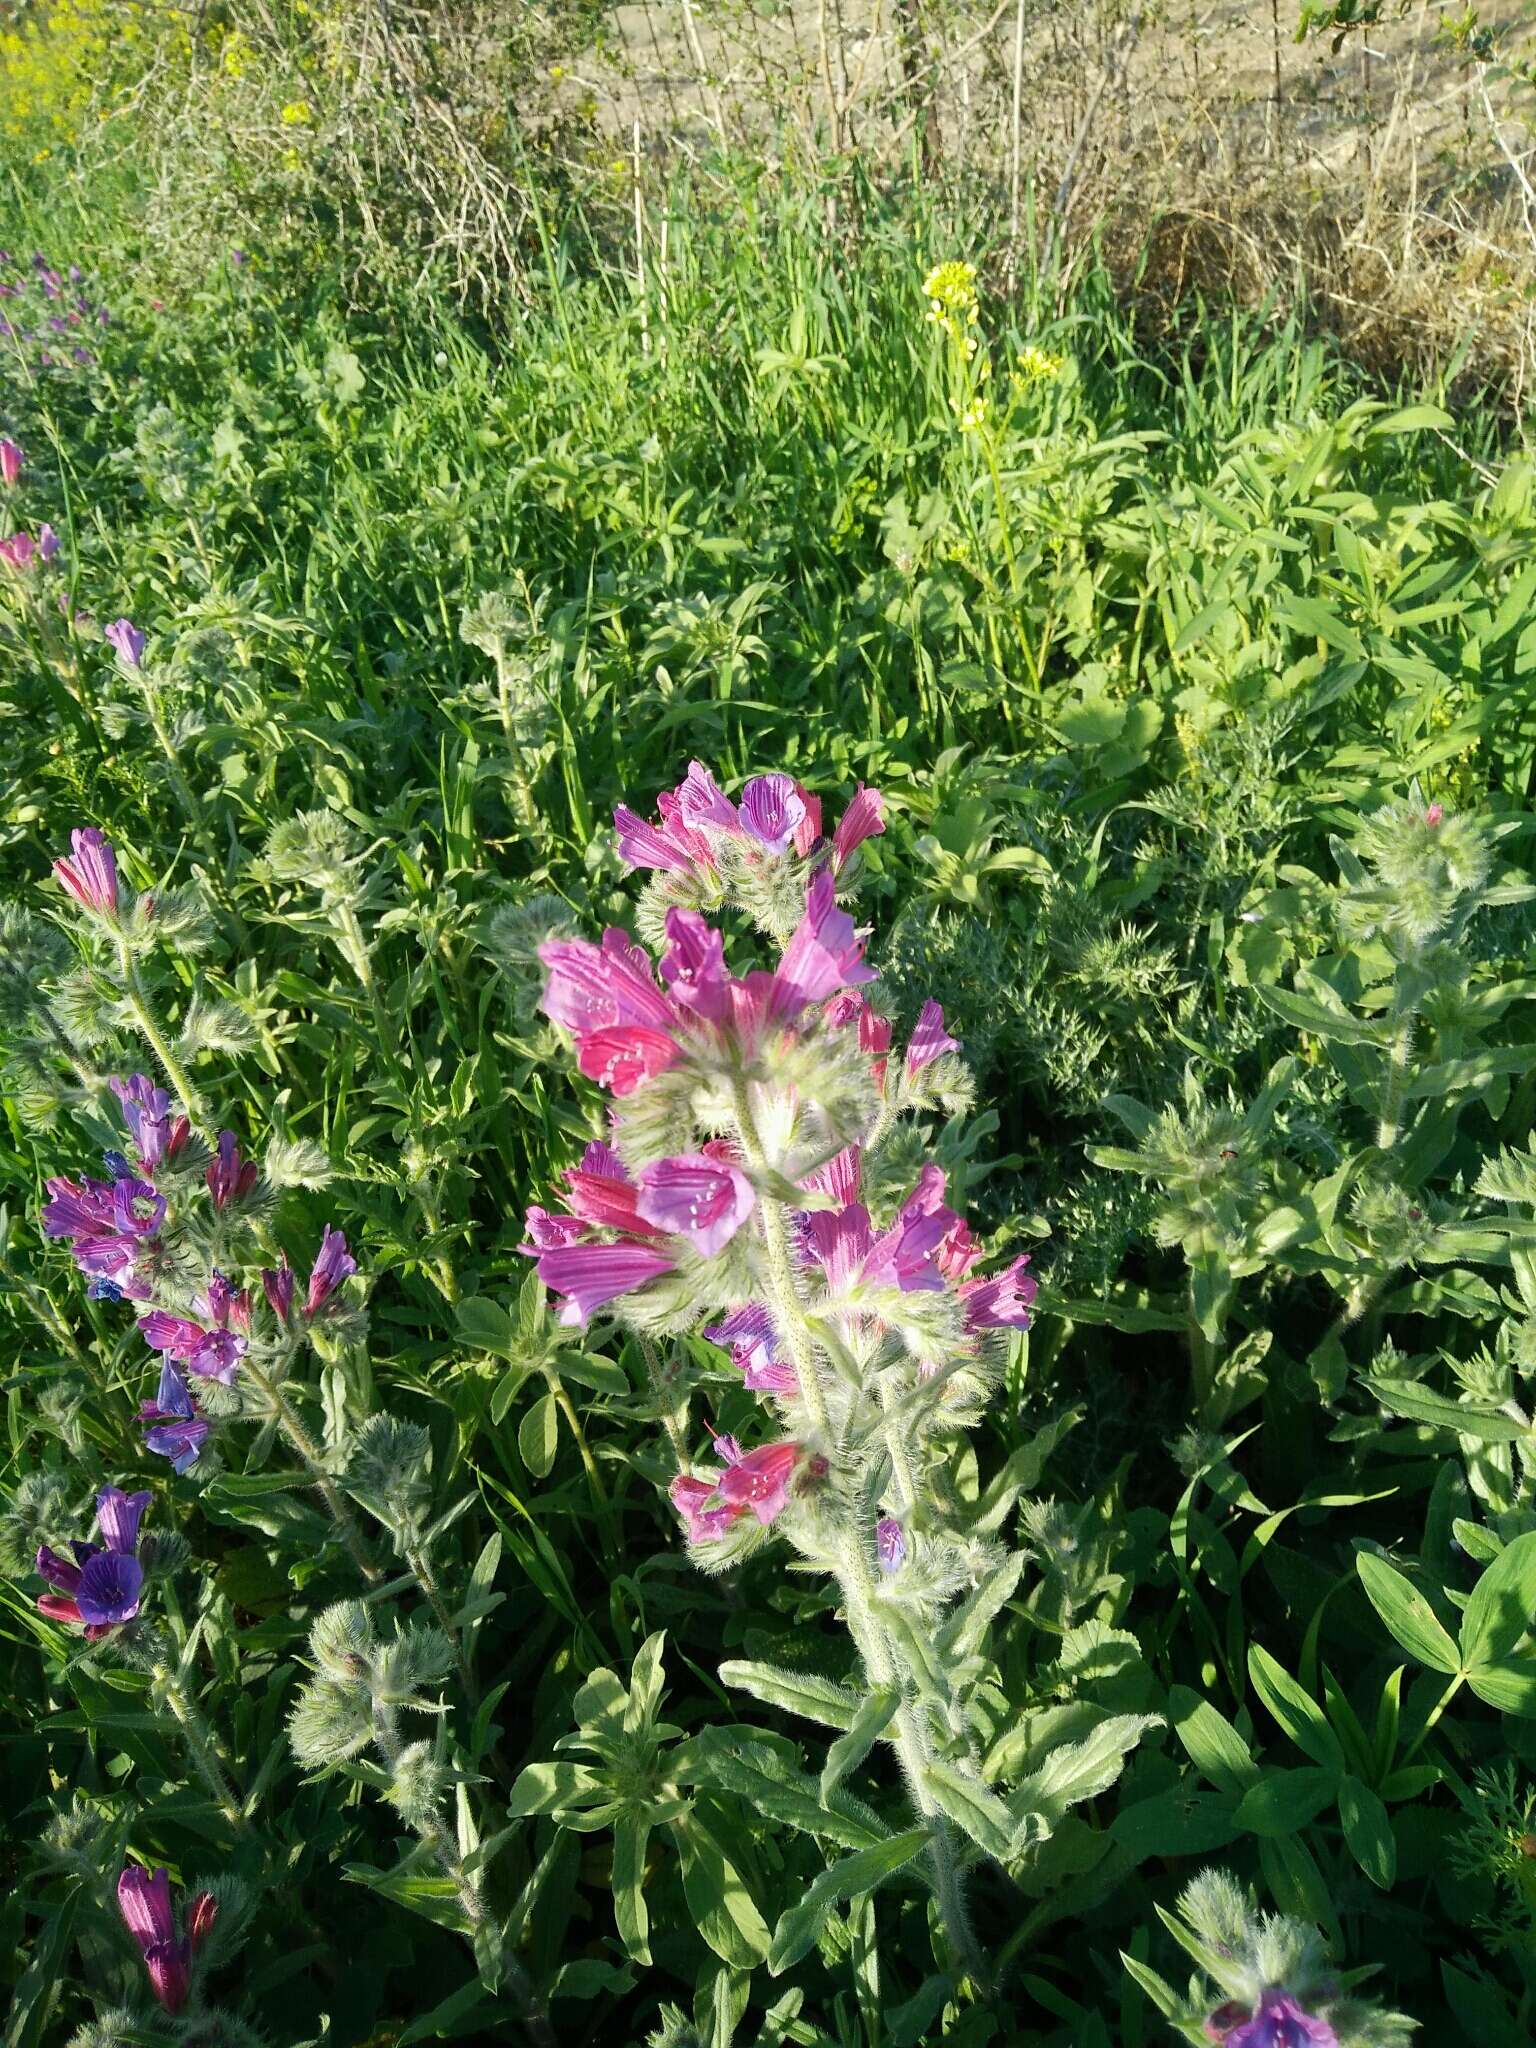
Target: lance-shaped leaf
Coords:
[(799, 1928), (795, 1692), (850, 1750), (1407, 1614), (973, 1807), (1080, 1770)]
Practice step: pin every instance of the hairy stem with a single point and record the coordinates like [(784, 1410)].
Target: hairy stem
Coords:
[(199, 1745), (153, 1032), (292, 1425)]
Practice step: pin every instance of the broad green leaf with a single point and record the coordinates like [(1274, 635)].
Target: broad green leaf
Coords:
[(1284, 1800), (486, 1325), (1500, 1613), (1296, 1711), (1305, 1013), (799, 1928), (550, 1787), (631, 1832), (758, 1769), (1210, 1741), (1368, 1832), (1406, 1613), (719, 1902), (973, 1807), (538, 1436)]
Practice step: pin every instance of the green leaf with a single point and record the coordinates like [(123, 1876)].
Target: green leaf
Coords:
[(974, 1808), (538, 1436), (1296, 1711), (1368, 1833), (1418, 1404), (486, 1325), (850, 1750), (1309, 1015), (795, 1692), (551, 1787), (1407, 1614), (799, 1928), (1282, 1801), (1081, 1770), (1499, 1615), (761, 1771), (721, 1907), (631, 1832), (1210, 1741)]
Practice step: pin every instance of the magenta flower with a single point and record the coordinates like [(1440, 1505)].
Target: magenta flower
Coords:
[(1001, 1302), (595, 988), (333, 1264), (929, 1039), (47, 542), (691, 1496), (1434, 816), (824, 955), (602, 1194), (147, 1113), (749, 1333), (18, 553), (546, 1231), (229, 1177), (100, 1589), (277, 1286), (705, 1200), (703, 804), (623, 1057), (841, 1177), (592, 1275), (673, 846), (890, 1544), (91, 875), (693, 967), (11, 462), (179, 1432), (129, 642), (225, 1305), (863, 819), (760, 1480), (144, 1899), (1278, 2022), (772, 811), (211, 1354)]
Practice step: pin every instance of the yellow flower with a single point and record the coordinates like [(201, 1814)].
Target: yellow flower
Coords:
[(973, 416), (296, 114), (951, 288), (1038, 365)]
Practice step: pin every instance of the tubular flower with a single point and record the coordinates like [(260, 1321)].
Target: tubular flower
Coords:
[(753, 1341), (157, 1136), (890, 1544), (144, 1899), (177, 1431), (100, 1588), (277, 1286), (705, 1200), (824, 955), (12, 462), (125, 637), (591, 1275), (863, 819), (90, 875), (929, 1039), (1001, 1301), (333, 1264), (701, 833), (230, 1178), (1277, 2022)]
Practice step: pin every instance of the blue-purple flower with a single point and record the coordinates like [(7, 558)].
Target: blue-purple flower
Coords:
[(178, 1432), (129, 642), (100, 1587)]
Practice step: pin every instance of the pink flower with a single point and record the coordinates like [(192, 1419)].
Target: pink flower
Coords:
[(840, 1177), (144, 1899), (592, 1275), (929, 1039), (809, 829), (691, 1496), (90, 875), (602, 1194), (623, 1057), (1002, 1301), (706, 1200), (693, 966), (908, 1252), (863, 819), (1434, 815), (277, 1286), (824, 955), (754, 1346), (595, 988), (11, 461), (672, 846), (850, 1007), (703, 803), (230, 1179), (760, 1480), (125, 637), (18, 553), (772, 811), (890, 1544)]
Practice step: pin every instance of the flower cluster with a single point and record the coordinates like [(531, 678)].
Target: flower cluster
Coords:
[(744, 1175), (168, 1214), (705, 851), (49, 317), (950, 289)]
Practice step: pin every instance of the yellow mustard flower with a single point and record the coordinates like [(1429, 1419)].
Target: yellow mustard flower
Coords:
[(1038, 365), (296, 114)]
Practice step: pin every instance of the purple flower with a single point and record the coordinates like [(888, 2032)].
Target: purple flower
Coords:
[(864, 817), (138, 1208), (929, 1039), (179, 1432), (333, 1264), (1002, 1301), (607, 997), (592, 1275), (673, 846), (824, 955), (772, 810), (1279, 2022), (691, 1494), (47, 542), (602, 1195), (144, 1899), (702, 802), (693, 967), (118, 1516), (230, 1178), (753, 1341), (130, 643), (147, 1113), (706, 1200), (890, 1544), (11, 462), (91, 876), (277, 1286), (18, 552)]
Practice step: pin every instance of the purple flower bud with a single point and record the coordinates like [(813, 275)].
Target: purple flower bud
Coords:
[(890, 1544), (130, 643), (118, 1516), (144, 1899), (333, 1264), (230, 1179), (929, 1039), (91, 876), (277, 1285), (11, 462), (772, 810)]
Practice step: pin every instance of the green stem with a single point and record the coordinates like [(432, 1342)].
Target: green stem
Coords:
[(292, 1425), (1436, 1711), (149, 1025), (671, 1415), (1389, 1128), (199, 1746)]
